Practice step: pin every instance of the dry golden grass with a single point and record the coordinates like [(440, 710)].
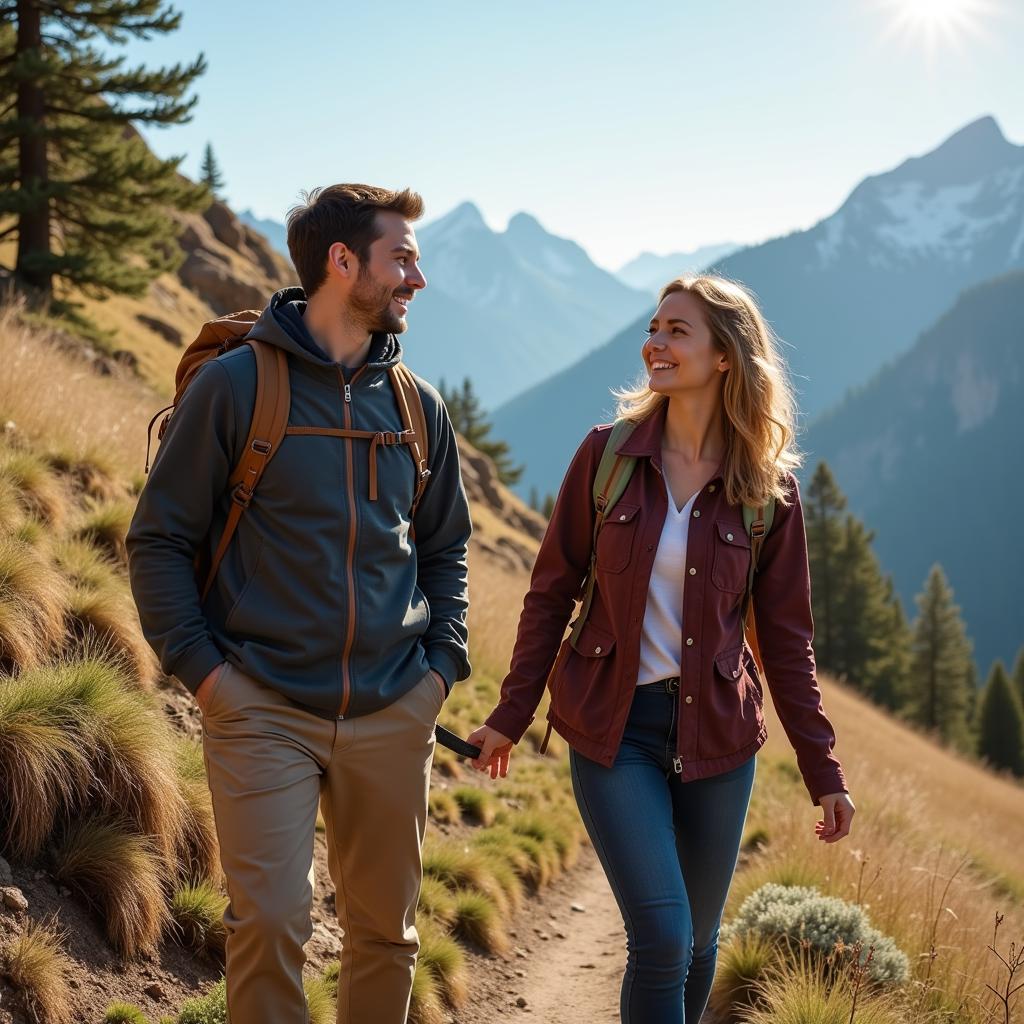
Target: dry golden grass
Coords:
[(118, 872), (36, 965), (33, 601), (58, 402), (934, 854)]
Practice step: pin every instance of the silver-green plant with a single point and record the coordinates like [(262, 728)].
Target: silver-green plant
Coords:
[(803, 914)]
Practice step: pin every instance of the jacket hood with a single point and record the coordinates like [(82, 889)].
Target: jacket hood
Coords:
[(282, 324)]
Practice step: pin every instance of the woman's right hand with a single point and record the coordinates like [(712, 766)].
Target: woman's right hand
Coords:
[(495, 751)]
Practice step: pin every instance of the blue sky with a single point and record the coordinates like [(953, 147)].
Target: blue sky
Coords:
[(650, 125)]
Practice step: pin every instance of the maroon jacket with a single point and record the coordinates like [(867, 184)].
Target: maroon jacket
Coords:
[(720, 707)]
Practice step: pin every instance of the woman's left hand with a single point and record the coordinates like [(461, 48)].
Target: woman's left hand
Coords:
[(838, 811)]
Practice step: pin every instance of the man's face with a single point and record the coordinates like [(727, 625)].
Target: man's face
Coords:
[(388, 278)]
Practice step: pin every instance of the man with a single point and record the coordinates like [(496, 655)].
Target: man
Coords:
[(335, 626)]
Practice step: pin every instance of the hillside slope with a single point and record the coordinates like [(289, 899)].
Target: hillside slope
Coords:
[(927, 453)]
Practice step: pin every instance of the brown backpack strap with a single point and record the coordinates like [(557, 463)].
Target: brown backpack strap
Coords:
[(410, 406), (266, 430)]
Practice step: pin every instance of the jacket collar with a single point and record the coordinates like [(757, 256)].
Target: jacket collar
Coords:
[(645, 441)]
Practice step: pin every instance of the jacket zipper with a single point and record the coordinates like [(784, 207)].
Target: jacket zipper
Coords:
[(350, 553)]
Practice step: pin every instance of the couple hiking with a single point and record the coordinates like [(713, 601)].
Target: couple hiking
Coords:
[(299, 561)]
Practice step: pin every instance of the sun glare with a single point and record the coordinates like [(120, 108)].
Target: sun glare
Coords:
[(938, 23)]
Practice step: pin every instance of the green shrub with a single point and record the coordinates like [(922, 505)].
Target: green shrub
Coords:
[(797, 913), (209, 1009)]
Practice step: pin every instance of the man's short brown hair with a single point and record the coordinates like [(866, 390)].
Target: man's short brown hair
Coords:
[(341, 213)]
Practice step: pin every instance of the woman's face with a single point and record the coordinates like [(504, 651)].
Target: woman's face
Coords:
[(679, 352)]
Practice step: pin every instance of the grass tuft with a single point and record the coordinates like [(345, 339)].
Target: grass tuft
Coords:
[(123, 1013), (445, 961), (106, 526), (479, 921), (32, 606), (477, 805), (198, 913), (36, 966), (118, 873)]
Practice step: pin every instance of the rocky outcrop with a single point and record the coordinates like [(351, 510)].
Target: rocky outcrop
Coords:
[(228, 264)]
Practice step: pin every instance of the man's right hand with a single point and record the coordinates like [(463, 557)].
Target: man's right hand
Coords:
[(495, 751), (203, 691)]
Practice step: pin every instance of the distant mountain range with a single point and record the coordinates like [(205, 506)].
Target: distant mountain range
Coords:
[(274, 231), (649, 271), (846, 296), (506, 309), (928, 453)]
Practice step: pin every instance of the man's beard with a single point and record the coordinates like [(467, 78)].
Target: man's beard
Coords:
[(370, 304)]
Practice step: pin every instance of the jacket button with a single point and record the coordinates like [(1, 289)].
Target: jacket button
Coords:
[(696, 513), (735, 672), (689, 699), (693, 572), (622, 518), (689, 641), (597, 650), (728, 536)]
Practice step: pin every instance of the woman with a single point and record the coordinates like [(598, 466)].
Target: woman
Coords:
[(656, 692)]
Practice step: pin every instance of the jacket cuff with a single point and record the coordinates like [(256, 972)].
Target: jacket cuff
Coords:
[(192, 669), (508, 722), (444, 665), (825, 783)]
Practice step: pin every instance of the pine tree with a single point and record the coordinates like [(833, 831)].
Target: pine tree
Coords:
[(470, 421), (888, 673), (1001, 723), (534, 499), (210, 174), (548, 506), (85, 197), (825, 540), (1018, 675), (940, 669)]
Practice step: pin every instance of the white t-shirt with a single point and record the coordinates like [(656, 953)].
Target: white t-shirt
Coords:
[(662, 638)]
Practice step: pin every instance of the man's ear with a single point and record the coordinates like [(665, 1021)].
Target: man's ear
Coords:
[(342, 260)]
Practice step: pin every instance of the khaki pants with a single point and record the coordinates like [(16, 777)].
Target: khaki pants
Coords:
[(269, 765)]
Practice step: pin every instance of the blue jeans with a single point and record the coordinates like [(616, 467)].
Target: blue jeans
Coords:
[(669, 850)]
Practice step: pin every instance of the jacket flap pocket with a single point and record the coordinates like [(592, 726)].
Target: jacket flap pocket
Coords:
[(594, 642), (622, 513), (730, 663), (734, 534)]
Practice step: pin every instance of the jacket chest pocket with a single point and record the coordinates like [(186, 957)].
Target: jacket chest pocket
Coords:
[(615, 540), (731, 559)]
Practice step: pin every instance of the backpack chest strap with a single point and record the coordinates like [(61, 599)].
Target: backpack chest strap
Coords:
[(387, 438)]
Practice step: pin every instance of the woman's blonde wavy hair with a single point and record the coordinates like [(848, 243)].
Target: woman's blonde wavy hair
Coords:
[(758, 403)]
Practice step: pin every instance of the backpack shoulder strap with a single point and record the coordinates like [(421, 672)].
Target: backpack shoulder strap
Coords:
[(410, 406), (757, 522), (266, 430), (610, 480)]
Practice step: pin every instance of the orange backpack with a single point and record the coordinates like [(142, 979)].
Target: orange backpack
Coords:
[(269, 423)]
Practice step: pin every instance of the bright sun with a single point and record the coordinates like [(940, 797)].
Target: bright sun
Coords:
[(936, 22)]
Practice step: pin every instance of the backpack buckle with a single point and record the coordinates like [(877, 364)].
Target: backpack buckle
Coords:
[(262, 447), (241, 495), (757, 530)]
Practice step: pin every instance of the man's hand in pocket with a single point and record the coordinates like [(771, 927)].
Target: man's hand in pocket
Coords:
[(203, 692)]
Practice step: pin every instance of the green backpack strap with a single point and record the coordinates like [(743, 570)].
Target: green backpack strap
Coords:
[(613, 473), (757, 522)]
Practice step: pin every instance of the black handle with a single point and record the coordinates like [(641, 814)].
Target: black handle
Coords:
[(448, 739)]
